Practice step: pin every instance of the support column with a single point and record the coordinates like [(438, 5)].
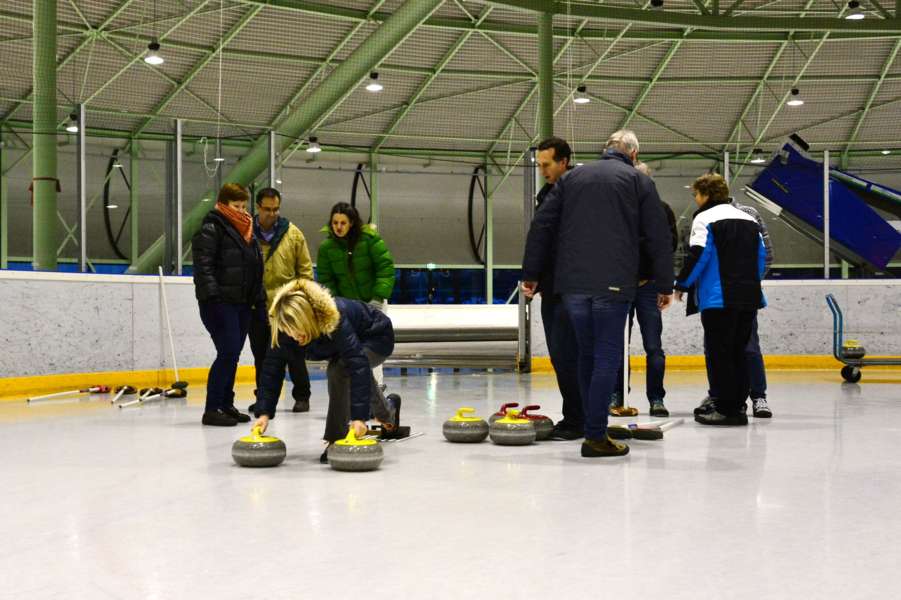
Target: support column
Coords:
[(4, 212), (489, 240), (374, 189), (44, 169), (82, 192), (826, 228), (272, 157), (545, 75), (133, 151)]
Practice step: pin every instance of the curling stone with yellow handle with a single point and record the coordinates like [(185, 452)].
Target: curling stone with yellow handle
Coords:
[(544, 426), (512, 431), (465, 429), (258, 450), (351, 454), (503, 411)]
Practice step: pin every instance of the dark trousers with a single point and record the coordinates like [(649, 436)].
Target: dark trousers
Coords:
[(598, 323), (756, 368), (260, 342), (227, 325), (339, 400), (650, 322), (564, 351), (726, 334)]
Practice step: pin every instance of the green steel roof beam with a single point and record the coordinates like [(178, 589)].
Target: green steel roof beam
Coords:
[(658, 71), (350, 89), (528, 97), (882, 12), (762, 83), (701, 7), (381, 43), (710, 22), (873, 93), (323, 65), (781, 103), (735, 6), (137, 58), (441, 23), (81, 45), (197, 68), (125, 52), (445, 60)]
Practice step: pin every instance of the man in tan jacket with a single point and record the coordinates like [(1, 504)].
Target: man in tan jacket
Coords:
[(285, 258)]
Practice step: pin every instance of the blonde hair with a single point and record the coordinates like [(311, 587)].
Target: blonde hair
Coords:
[(643, 168), (303, 308)]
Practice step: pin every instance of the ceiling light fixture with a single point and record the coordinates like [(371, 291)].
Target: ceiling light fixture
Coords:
[(374, 85), (757, 157), (581, 97), (112, 206), (656, 4), (855, 13), (313, 147), (796, 99), (72, 127), (153, 55), (886, 152)]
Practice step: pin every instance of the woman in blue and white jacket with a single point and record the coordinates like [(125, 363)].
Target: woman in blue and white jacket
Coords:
[(722, 272)]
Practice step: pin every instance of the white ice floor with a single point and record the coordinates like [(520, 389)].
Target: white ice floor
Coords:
[(100, 503)]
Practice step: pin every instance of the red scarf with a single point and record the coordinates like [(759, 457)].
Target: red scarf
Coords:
[(239, 219)]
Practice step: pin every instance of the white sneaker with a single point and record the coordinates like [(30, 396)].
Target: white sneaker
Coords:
[(761, 408)]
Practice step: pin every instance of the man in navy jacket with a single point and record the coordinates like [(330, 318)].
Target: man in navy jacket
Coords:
[(603, 216)]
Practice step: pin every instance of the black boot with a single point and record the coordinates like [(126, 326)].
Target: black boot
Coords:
[(218, 418), (301, 406), (235, 414)]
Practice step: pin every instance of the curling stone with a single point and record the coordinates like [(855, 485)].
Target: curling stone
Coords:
[(512, 431), (852, 350), (257, 450), (463, 429), (544, 426), (351, 454), (505, 408)]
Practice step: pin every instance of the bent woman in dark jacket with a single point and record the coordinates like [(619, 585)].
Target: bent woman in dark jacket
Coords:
[(352, 335), (228, 283)]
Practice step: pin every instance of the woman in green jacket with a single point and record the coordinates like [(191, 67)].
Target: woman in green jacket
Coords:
[(354, 262)]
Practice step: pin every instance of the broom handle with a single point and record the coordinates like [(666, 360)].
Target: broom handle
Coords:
[(670, 424), (119, 395), (626, 364), (168, 324), (56, 395)]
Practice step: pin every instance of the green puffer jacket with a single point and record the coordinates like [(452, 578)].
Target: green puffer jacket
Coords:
[(372, 276)]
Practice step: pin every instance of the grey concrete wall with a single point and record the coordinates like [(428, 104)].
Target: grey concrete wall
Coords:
[(69, 323), (796, 320)]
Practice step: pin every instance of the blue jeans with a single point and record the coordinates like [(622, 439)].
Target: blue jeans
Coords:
[(227, 325), (598, 323), (650, 321), (756, 369), (563, 349)]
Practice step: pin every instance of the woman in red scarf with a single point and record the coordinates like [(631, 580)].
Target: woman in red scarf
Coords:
[(228, 283)]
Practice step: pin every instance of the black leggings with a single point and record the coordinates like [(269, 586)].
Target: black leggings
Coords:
[(726, 334)]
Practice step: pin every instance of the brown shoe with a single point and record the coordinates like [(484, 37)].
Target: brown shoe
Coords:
[(602, 448)]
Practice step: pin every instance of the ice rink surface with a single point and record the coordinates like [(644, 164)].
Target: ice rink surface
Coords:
[(103, 503)]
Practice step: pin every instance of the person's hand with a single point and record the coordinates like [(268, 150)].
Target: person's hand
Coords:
[(262, 423), (664, 301), (529, 288), (679, 295), (360, 428)]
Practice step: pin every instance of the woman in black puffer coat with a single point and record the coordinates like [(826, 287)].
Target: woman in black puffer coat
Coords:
[(228, 283)]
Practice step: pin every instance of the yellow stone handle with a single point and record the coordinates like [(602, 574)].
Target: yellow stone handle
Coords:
[(462, 412), (351, 435), (256, 433)]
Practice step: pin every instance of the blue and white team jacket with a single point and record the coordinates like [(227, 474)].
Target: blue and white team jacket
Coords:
[(726, 260)]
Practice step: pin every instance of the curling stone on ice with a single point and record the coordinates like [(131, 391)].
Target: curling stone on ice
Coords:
[(544, 426), (465, 429), (503, 411), (512, 431), (351, 454), (258, 450)]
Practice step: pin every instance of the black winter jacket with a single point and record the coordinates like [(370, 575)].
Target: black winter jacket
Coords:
[(603, 215), (226, 268), (361, 326)]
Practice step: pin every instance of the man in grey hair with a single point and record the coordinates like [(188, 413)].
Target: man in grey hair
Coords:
[(600, 218)]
